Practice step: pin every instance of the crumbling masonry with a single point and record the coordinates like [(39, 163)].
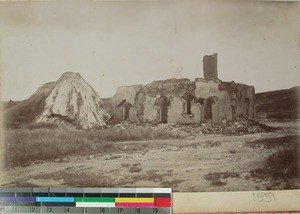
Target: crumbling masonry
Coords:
[(184, 101)]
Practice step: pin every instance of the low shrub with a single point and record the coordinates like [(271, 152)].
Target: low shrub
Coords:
[(281, 165)]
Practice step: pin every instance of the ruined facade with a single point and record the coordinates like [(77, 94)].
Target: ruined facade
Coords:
[(184, 101)]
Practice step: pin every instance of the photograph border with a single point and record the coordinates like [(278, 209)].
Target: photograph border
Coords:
[(213, 202)]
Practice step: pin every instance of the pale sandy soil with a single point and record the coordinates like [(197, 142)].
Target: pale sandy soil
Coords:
[(180, 164)]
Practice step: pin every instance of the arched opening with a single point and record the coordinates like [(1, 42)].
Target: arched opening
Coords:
[(163, 103), (188, 99), (208, 108)]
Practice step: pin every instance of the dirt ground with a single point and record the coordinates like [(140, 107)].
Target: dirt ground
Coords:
[(203, 162)]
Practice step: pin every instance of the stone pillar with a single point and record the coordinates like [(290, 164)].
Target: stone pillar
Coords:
[(210, 67)]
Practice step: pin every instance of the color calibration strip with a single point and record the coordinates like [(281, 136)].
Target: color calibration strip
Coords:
[(85, 200)]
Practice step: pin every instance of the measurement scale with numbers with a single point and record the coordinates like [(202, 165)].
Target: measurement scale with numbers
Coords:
[(86, 200)]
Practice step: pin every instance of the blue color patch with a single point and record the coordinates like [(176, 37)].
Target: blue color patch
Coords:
[(55, 199)]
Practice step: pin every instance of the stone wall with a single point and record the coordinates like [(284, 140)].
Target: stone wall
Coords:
[(124, 98), (241, 98), (177, 113), (183, 101), (221, 108), (163, 101)]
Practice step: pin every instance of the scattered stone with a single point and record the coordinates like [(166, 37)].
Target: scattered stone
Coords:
[(112, 157), (135, 168), (239, 126), (125, 164), (232, 151)]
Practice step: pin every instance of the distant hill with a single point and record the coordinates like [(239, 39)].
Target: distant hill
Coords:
[(279, 104), (69, 101), (9, 104), (26, 111)]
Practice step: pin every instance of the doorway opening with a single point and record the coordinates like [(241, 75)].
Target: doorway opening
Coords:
[(208, 108), (163, 104), (188, 102)]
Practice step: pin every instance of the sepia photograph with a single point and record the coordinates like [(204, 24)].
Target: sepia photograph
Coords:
[(197, 96)]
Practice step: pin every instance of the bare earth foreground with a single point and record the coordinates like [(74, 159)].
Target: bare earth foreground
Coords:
[(204, 162)]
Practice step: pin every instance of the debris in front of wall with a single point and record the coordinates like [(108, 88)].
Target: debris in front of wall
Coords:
[(239, 126)]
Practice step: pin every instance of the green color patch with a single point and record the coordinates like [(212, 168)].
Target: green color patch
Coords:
[(94, 199)]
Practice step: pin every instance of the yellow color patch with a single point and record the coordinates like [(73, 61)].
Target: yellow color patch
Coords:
[(134, 200)]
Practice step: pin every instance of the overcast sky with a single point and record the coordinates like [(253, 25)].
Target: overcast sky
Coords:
[(113, 44)]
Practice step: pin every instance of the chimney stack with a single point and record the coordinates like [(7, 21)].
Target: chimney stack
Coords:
[(210, 67)]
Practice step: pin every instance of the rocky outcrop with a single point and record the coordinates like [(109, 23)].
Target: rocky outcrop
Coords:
[(69, 102), (73, 102)]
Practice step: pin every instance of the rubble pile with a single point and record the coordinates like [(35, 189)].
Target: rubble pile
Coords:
[(239, 126)]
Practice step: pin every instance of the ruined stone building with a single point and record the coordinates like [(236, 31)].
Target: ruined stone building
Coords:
[(184, 101)]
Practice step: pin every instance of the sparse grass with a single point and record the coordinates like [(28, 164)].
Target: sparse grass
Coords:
[(174, 183), (217, 178), (25, 146), (221, 175), (32, 126), (218, 183), (113, 157), (78, 179), (210, 144), (291, 142)]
